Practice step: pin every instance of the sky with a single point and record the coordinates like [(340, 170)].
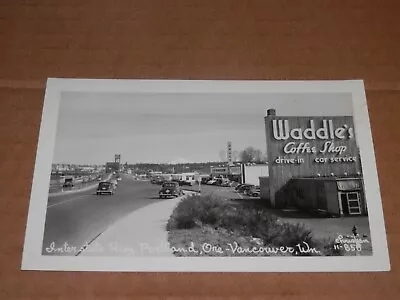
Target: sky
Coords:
[(162, 128)]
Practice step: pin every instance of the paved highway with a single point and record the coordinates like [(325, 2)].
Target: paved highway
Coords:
[(78, 218)]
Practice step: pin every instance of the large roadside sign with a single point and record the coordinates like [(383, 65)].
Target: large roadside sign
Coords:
[(309, 147)]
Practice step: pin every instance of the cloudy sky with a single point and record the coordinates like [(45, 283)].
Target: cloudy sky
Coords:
[(164, 128)]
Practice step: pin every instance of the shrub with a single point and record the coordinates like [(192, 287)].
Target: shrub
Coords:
[(195, 211), (247, 220), (290, 235)]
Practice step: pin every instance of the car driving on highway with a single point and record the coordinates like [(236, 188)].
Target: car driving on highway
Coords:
[(68, 183), (105, 188), (170, 189)]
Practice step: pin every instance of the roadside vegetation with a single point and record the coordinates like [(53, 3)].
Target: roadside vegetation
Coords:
[(211, 226)]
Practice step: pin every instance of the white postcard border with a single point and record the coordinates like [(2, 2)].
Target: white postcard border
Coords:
[(34, 260)]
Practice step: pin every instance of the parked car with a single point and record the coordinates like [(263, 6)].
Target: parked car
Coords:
[(219, 181), (225, 183), (253, 191), (179, 182), (105, 187), (238, 187), (170, 189), (244, 188), (212, 182), (185, 182), (234, 184), (204, 180), (157, 180)]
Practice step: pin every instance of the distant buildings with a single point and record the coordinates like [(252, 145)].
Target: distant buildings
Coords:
[(112, 167), (72, 168)]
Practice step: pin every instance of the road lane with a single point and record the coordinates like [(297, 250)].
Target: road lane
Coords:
[(68, 194), (67, 200), (78, 218)]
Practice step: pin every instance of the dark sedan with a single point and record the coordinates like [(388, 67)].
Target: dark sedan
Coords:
[(105, 187), (170, 189)]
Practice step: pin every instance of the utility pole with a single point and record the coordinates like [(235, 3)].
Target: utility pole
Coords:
[(229, 157), (199, 185)]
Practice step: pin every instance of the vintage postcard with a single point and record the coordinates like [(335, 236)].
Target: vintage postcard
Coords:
[(227, 176)]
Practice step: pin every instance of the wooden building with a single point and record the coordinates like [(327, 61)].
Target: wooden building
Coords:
[(330, 195), (314, 163)]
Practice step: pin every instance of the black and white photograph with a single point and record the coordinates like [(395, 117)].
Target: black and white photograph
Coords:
[(142, 175)]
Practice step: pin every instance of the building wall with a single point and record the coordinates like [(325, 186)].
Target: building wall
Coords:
[(198, 177), (225, 171), (304, 164), (317, 194), (252, 174), (264, 188), (332, 197), (112, 166), (300, 193)]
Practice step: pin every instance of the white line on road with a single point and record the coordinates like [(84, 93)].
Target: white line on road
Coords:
[(69, 200)]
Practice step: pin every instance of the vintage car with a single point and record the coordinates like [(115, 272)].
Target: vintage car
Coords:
[(157, 180), (68, 183), (243, 188), (105, 187), (234, 184), (238, 187), (253, 191), (225, 183), (170, 189), (212, 182), (184, 182), (204, 180)]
